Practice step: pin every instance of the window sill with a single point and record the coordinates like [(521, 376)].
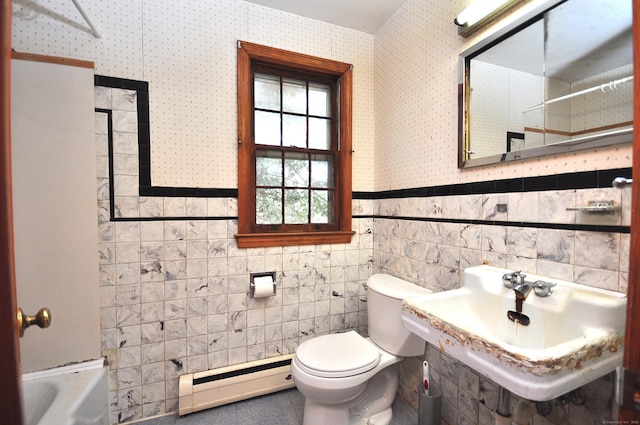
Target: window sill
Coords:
[(260, 240)]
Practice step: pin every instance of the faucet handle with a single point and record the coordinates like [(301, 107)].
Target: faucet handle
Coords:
[(542, 288), (513, 278)]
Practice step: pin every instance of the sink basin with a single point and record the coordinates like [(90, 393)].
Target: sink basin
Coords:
[(574, 336)]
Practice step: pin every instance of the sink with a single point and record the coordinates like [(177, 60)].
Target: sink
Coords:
[(574, 336)]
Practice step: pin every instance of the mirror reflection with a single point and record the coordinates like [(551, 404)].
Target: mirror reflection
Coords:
[(562, 81)]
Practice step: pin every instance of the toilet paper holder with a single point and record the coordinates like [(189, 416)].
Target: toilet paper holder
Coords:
[(252, 284)]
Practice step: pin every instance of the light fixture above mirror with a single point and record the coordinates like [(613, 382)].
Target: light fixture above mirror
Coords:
[(481, 13)]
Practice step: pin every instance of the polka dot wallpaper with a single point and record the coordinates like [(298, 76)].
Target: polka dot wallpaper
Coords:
[(405, 84), (186, 50)]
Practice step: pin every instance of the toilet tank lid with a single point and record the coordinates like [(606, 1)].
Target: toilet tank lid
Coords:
[(394, 287)]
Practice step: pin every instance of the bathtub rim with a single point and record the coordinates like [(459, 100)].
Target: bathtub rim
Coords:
[(77, 367)]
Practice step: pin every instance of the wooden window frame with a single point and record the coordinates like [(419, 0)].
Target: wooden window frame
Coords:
[(249, 54)]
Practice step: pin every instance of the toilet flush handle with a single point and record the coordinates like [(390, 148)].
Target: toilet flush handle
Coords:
[(42, 319)]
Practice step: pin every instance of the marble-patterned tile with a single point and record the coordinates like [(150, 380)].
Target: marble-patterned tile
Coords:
[(217, 207), (124, 100), (125, 121), (125, 185), (102, 173), (125, 143), (468, 381), (152, 312), (494, 239), (555, 270), (101, 125), (127, 273), (494, 259), (102, 97), (175, 207), (175, 250), (527, 265), (596, 249), (470, 258), (470, 236), (125, 165), (626, 206), (598, 278), (434, 206), (471, 207), (151, 207), (151, 333), (151, 231), (452, 207), (126, 207), (556, 245), (417, 207), (523, 206), (492, 207), (522, 241), (196, 325), (552, 206)]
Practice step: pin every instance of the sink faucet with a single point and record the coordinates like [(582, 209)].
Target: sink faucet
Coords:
[(515, 280), (512, 279), (542, 288)]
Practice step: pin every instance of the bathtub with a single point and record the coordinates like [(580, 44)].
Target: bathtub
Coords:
[(70, 395)]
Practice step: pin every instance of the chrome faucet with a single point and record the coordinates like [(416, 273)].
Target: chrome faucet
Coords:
[(512, 279), (515, 280), (542, 288)]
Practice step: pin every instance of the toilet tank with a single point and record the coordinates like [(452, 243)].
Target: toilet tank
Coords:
[(384, 312)]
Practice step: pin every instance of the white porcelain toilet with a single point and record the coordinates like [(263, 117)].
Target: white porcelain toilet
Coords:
[(347, 379)]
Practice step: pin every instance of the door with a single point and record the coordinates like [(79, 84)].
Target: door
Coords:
[(10, 371), (632, 341)]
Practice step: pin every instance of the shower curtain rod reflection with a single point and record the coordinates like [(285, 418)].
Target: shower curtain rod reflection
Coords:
[(611, 85)]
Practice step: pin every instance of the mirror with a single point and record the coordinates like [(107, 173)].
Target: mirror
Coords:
[(556, 80)]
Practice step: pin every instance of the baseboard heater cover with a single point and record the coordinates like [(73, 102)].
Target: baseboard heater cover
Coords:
[(204, 390)]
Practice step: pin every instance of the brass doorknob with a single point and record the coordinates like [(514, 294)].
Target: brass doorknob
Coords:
[(42, 319)]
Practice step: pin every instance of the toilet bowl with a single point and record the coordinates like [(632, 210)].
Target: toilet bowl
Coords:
[(351, 380)]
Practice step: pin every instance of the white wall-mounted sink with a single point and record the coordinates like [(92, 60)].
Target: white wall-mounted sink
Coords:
[(575, 335)]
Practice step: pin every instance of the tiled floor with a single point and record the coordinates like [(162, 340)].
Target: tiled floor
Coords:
[(283, 408)]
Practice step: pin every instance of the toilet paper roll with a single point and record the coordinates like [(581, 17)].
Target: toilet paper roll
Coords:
[(263, 286)]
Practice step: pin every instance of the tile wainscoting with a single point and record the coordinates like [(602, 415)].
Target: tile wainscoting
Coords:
[(174, 286), (430, 240)]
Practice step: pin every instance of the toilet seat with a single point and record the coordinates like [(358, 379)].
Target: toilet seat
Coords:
[(337, 355)]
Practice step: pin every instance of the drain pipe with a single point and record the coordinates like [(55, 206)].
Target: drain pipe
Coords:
[(501, 415)]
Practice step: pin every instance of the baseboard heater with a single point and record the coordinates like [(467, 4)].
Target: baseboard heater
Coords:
[(204, 390)]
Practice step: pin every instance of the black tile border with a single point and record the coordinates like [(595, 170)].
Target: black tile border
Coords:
[(566, 181), (541, 225), (144, 146)]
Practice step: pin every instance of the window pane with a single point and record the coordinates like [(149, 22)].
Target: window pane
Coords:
[(296, 170), (267, 128), (321, 206), (319, 133), (267, 91), (294, 96), (322, 171), (268, 206), (319, 103), (296, 206), (268, 168), (294, 131)]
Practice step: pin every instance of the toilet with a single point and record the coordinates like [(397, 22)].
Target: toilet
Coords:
[(347, 379)]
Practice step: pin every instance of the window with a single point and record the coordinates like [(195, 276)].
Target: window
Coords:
[(294, 156)]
